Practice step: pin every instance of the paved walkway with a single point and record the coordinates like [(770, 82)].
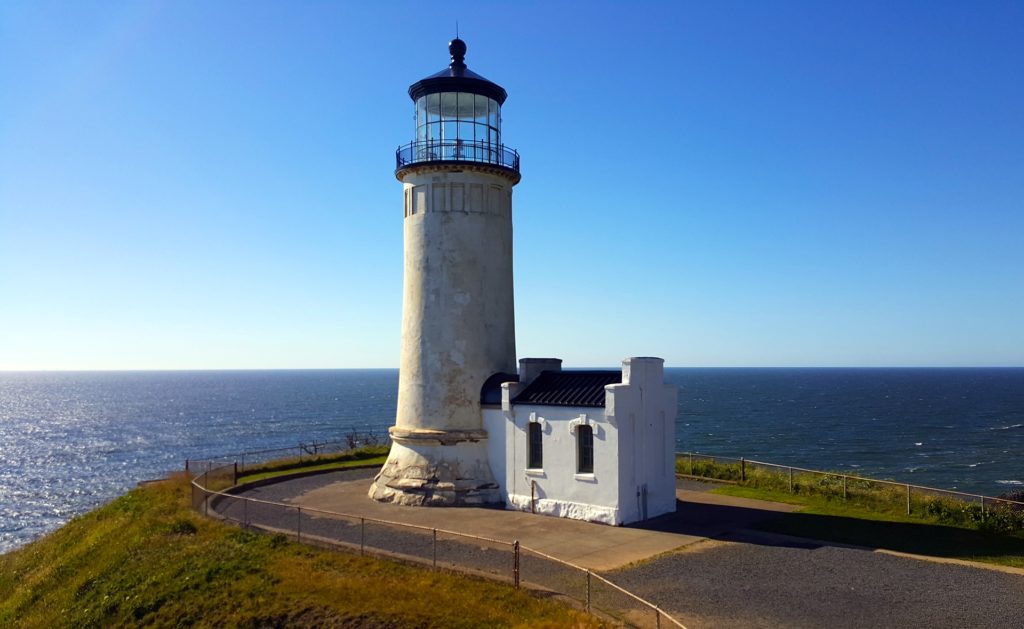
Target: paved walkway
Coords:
[(598, 547), (707, 566)]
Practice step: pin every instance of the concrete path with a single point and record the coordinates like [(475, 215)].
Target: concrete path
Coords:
[(594, 546), (707, 566)]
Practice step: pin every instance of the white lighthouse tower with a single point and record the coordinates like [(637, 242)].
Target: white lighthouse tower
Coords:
[(458, 320)]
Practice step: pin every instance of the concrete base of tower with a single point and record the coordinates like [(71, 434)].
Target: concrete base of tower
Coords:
[(437, 468)]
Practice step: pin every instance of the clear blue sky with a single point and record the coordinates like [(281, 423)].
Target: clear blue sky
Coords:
[(210, 184)]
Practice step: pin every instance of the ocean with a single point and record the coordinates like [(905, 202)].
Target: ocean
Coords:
[(70, 441)]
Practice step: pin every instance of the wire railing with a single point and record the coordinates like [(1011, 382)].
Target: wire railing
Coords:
[(304, 450), (456, 151), (916, 498), (502, 560)]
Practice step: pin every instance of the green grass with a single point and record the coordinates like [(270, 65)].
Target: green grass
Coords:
[(875, 515), (367, 455), (147, 559)]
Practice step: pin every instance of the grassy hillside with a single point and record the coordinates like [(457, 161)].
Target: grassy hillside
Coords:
[(146, 559), (366, 455)]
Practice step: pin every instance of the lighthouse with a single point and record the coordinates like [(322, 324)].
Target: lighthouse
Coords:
[(458, 319)]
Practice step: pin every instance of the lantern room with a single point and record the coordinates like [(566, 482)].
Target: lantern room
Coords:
[(458, 118)]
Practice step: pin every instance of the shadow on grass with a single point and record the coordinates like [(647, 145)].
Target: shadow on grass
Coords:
[(747, 525), (923, 539)]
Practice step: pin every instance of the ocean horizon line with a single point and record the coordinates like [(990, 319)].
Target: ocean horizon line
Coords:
[(573, 368)]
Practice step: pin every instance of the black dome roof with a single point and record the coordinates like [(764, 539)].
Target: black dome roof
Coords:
[(457, 78)]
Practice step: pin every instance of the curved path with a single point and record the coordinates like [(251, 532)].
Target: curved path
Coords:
[(705, 564)]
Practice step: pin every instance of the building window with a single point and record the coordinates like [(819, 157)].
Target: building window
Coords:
[(535, 451), (584, 450)]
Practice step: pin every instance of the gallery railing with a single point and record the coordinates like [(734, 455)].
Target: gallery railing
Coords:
[(501, 560), (456, 151)]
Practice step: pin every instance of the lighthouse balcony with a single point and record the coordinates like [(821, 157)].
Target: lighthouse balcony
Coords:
[(449, 151)]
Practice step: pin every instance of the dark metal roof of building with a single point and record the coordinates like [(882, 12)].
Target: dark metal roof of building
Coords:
[(490, 393), (457, 78), (568, 388)]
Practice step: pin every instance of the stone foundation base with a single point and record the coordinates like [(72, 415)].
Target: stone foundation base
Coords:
[(566, 509), (437, 469)]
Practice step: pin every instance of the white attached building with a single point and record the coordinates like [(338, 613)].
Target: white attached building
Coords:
[(588, 445)]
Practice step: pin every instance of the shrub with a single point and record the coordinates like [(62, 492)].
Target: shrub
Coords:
[(183, 526)]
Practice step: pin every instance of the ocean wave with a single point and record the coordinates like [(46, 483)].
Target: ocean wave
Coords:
[(1007, 427), (1010, 482)]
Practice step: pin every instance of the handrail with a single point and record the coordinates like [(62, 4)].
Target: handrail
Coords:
[(364, 437), (653, 607), (271, 503), (425, 151), (852, 477), (516, 546)]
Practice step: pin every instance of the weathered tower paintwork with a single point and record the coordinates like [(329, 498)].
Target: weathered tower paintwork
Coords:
[(458, 320)]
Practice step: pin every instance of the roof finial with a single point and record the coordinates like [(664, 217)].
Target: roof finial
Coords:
[(457, 48)]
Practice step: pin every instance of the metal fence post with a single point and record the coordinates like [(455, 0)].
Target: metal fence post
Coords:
[(657, 617), (362, 536), (844, 487), (234, 475), (908, 498), (515, 562), (435, 549), (743, 469), (186, 466), (983, 504), (588, 591)]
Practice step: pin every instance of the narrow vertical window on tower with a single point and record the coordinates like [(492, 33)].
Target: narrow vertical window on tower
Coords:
[(535, 447), (584, 450)]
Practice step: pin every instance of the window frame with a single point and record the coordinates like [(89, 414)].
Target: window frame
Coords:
[(535, 446), (584, 449)]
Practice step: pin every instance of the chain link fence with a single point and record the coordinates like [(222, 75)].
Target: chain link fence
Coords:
[(501, 560)]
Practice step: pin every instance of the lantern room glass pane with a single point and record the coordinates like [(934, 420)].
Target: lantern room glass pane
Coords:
[(480, 109), (433, 107), (493, 114), (449, 130)]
